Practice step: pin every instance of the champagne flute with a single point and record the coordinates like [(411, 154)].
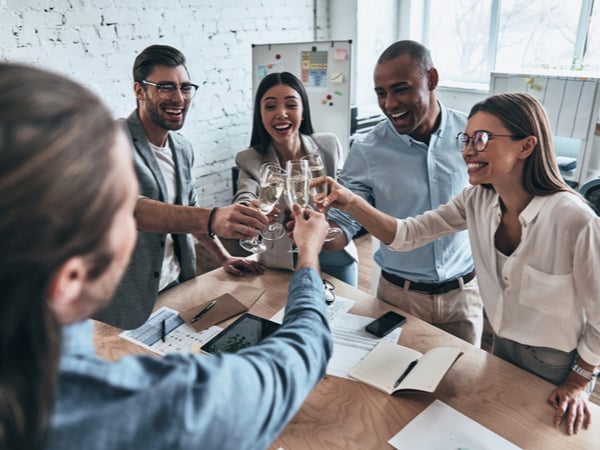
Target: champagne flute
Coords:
[(269, 191), (319, 192), (297, 185), (271, 187)]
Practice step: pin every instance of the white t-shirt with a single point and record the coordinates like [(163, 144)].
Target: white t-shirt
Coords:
[(170, 267)]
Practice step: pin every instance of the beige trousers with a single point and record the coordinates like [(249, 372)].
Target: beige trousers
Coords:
[(459, 312)]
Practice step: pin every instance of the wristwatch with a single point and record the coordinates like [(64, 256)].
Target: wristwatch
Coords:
[(588, 375)]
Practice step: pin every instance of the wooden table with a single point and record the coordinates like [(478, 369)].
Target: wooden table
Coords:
[(343, 414)]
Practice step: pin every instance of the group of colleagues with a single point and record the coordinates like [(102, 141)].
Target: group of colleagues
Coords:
[(98, 217)]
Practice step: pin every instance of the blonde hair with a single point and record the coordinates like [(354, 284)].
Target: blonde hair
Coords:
[(523, 115)]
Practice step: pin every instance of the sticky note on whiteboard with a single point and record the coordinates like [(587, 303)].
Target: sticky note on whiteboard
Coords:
[(340, 53), (336, 77)]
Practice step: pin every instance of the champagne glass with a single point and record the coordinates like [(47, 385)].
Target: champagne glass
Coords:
[(319, 192), (270, 189), (297, 185)]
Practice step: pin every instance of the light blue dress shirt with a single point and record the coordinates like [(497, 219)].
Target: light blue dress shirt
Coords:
[(230, 401), (404, 178)]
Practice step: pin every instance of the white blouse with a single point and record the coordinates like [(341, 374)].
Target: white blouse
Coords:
[(548, 291)]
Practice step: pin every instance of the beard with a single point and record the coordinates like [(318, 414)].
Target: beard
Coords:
[(154, 112)]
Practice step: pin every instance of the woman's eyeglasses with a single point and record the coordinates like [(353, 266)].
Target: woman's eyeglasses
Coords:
[(479, 140)]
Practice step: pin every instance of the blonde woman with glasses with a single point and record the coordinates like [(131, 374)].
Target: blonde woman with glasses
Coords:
[(535, 245)]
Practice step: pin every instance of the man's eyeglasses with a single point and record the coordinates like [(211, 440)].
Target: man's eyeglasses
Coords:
[(479, 139), (167, 90)]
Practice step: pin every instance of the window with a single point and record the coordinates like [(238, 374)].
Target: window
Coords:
[(471, 38)]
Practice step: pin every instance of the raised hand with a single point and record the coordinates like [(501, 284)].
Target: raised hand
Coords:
[(339, 197), (238, 222)]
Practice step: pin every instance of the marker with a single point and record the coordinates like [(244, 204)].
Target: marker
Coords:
[(204, 311), (406, 372), (163, 330)]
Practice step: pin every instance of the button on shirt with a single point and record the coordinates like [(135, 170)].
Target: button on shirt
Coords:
[(403, 178), (228, 401), (546, 293)]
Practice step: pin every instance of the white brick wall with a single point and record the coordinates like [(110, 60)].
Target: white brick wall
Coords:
[(96, 41)]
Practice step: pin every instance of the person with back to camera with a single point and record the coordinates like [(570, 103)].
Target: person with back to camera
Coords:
[(167, 212), (66, 241), (534, 243), (407, 165), (282, 131)]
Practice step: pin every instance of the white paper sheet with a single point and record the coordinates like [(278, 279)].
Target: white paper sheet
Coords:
[(351, 343), (340, 305), (179, 337), (441, 427)]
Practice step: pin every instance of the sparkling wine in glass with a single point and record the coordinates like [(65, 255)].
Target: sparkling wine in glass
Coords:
[(319, 192), (297, 183), (272, 180), (272, 184)]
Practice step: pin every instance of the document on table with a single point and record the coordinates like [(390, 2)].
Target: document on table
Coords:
[(441, 427), (351, 343), (340, 305), (179, 337)]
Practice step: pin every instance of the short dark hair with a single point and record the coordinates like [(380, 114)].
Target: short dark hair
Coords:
[(260, 139), (418, 52), (156, 55)]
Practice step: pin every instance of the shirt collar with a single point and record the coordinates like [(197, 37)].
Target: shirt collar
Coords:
[(441, 130), (77, 338), (530, 212)]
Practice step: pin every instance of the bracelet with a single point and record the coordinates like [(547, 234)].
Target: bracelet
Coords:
[(210, 219)]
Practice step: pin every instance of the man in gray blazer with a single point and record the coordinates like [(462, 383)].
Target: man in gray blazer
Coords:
[(167, 211)]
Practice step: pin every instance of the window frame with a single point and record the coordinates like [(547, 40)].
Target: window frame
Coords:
[(422, 34)]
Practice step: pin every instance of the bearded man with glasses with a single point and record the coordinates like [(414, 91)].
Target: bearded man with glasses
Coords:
[(167, 211)]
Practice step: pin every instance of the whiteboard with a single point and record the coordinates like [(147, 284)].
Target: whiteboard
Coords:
[(324, 67)]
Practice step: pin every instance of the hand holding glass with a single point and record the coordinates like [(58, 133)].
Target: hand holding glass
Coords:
[(272, 182)]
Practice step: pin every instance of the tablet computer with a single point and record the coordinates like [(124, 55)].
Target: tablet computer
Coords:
[(246, 331)]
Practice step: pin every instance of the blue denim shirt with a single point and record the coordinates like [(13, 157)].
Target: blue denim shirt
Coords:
[(230, 401), (404, 178)]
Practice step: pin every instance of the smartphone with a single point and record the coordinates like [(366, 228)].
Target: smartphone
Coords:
[(385, 324)]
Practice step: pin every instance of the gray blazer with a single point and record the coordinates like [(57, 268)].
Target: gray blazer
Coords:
[(249, 161), (134, 299)]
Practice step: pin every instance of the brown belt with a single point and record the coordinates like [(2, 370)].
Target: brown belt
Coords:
[(429, 288)]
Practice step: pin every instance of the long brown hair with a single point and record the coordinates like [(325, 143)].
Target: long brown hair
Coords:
[(56, 201), (523, 115)]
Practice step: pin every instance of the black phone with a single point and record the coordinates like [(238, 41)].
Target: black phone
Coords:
[(385, 324)]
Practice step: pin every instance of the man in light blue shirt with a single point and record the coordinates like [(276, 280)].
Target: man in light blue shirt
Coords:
[(226, 401), (406, 165), (66, 245)]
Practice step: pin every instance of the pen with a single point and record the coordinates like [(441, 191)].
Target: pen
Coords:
[(204, 311), (405, 373), (162, 330)]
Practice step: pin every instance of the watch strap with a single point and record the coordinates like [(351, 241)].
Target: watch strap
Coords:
[(587, 374)]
